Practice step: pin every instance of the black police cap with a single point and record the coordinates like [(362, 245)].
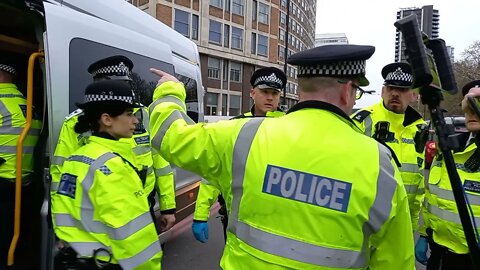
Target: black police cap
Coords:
[(8, 63), (469, 86), (398, 75), (343, 60), (117, 65), (269, 77), (108, 91)]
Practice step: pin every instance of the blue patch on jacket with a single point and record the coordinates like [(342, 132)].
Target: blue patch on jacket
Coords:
[(68, 185), (308, 188)]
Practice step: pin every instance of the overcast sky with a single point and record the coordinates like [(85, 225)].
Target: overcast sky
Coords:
[(370, 22)]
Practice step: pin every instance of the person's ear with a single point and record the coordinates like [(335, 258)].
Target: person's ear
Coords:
[(252, 92), (345, 94), (106, 119), (414, 97)]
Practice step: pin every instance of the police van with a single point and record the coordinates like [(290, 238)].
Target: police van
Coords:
[(56, 42)]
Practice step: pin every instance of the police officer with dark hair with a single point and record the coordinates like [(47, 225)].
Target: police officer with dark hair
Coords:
[(13, 106), (304, 191), (100, 208), (267, 84), (443, 230), (399, 126), (157, 172)]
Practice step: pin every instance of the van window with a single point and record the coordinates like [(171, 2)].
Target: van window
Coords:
[(85, 52)]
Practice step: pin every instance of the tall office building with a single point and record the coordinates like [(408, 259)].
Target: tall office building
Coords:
[(428, 21), (235, 37), (330, 39)]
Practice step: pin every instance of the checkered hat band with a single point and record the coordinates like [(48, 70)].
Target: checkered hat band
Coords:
[(8, 69), (343, 68), (91, 98), (268, 78), (119, 70), (398, 75)]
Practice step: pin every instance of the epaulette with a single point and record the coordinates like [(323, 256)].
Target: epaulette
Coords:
[(74, 113), (361, 115)]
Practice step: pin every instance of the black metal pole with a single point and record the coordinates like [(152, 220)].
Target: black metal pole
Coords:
[(285, 65)]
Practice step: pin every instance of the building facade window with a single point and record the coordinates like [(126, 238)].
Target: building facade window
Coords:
[(254, 10), (216, 3), (281, 34), (281, 52), (262, 45), (213, 68), (283, 18), (194, 27), (263, 13), (234, 103), (237, 38), (237, 7), (226, 35), (227, 5), (224, 104), (212, 103), (182, 24), (235, 71), (215, 33), (254, 43)]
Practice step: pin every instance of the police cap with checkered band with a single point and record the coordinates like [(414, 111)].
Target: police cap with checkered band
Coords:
[(116, 91), (398, 75), (114, 67), (342, 61), (469, 86), (7, 63), (268, 78)]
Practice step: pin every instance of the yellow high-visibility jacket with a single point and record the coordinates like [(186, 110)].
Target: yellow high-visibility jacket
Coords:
[(101, 203), (207, 194), (13, 106), (304, 191), (404, 128), (159, 173), (440, 212)]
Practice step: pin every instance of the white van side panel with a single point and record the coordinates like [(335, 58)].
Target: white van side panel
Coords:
[(65, 24)]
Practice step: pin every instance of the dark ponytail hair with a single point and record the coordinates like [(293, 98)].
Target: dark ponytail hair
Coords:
[(92, 112)]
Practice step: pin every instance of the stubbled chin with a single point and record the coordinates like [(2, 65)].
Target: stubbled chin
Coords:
[(473, 126)]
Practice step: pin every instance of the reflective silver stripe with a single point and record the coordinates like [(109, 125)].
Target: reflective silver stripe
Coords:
[(145, 118), (149, 170), (6, 149), (11, 96), (386, 187), (6, 115), (298, 250), (166, 99), (411, 189), (175, 115), (421, 191), (163, 171), (437, 163), (54, 186), (239, 161), (368, 126), (408, 141), (58, 160), (447, 215), (9, 130), (409, 167), (120, 233), (446, 194), (141, 257), (141, 149), (85, 249), (269, 242)]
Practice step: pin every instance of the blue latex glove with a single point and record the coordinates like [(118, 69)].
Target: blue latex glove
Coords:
[(200, 230), (421, 248)]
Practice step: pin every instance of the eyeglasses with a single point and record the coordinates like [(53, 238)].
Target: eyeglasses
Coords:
[(358, 90)]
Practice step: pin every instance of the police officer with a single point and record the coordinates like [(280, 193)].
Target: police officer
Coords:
[(267, 84), (159, 173), (13, 119), (100, 208), (397, 124), (306, 190), (444, 232)]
